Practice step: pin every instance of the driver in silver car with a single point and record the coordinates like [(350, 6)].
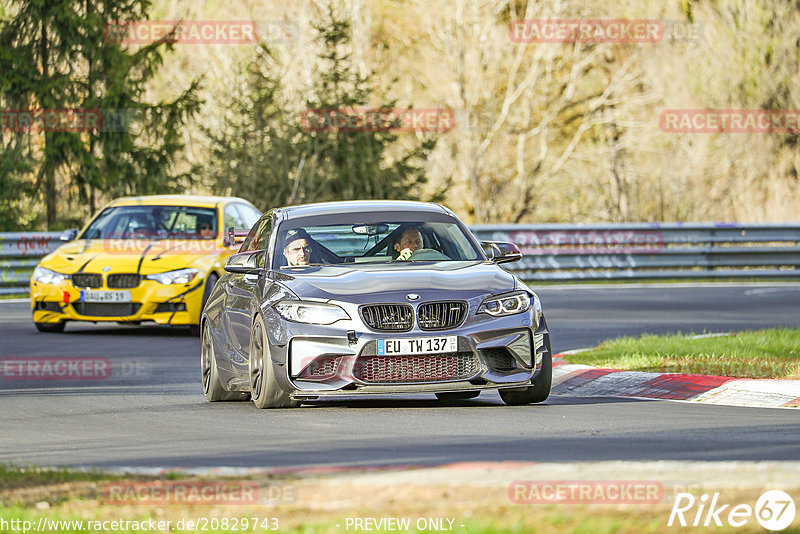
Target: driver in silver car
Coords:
[(409, 242), (298, 248)]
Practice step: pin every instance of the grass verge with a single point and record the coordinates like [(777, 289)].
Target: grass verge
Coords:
[(457, 500), (772, 353)]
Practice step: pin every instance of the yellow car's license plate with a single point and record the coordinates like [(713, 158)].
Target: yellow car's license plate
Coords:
[(106, 296)]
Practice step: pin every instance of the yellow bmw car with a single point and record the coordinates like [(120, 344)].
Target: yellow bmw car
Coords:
[(150, 258)]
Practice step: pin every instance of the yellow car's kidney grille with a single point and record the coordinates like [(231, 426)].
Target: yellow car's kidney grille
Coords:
[(87, 280), (124, 281)]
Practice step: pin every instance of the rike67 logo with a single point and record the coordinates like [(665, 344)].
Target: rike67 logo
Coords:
[(774, 510)]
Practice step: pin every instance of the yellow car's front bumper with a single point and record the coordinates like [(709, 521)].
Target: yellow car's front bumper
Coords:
[(176, 304)]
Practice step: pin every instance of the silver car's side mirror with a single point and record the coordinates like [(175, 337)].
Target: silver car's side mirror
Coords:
[(500, 252), (69, 235), (250, 262)]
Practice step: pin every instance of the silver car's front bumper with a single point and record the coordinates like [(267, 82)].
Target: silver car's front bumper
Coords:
[(328, 361)]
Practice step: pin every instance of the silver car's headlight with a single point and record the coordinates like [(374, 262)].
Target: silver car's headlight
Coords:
[(46, 276), (181, 276), (508, 304), (310, 312)]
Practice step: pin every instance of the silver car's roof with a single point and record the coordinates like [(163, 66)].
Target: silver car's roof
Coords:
[(350, 206)]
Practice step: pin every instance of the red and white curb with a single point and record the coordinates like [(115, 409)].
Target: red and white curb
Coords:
[(584, 381)]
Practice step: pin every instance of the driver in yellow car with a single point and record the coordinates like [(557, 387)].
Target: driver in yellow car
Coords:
[(205, 228), (410, 241)]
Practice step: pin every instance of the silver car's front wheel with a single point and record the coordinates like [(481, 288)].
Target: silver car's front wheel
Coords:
[(212, 387), (264, 388), (540, 388)]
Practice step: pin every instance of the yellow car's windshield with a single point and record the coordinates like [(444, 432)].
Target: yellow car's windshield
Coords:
[(153, 222)]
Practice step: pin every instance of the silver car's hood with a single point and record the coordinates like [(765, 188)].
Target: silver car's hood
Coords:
[(369, 282)]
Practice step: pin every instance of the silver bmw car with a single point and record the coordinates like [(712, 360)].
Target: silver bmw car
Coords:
[(371, 297)]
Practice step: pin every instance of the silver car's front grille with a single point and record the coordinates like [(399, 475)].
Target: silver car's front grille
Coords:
[(441, 315), (418, 368), (87, 280), (124, 281), (388, 317)]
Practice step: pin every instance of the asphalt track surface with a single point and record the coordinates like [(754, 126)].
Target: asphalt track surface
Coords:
[(150, 412)]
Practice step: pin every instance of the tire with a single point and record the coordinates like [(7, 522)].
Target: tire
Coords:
[(51, 327), (212, 387), (211, 281), (457, 395), (540, 389), (264, 388)]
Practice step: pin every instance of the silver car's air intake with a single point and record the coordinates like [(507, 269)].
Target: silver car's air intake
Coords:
[(419, 368)]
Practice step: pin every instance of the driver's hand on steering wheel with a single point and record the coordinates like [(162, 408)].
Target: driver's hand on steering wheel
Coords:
[(404, 254)]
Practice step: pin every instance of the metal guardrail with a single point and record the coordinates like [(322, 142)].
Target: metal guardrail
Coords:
[(19, 254), (635, 251), (640, 251)]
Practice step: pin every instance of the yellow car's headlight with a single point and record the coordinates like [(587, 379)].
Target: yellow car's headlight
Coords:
[(180, 276), (46, 276)]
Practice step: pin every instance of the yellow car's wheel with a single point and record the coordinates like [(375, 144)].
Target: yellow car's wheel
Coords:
[(50, 327)]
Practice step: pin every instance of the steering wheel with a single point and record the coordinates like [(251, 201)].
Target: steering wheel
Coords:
[(427, 254)]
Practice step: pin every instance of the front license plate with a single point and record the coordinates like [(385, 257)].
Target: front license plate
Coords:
[(106, 296), (424, 345)]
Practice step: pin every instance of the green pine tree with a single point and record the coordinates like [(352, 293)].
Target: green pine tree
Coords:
[(275, 157), (57, 54)]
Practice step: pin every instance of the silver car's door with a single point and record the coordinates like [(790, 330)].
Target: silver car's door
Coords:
[(239, 313), (243, 297)]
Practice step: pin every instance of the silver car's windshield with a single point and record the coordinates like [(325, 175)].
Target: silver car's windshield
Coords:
[(374, 242)]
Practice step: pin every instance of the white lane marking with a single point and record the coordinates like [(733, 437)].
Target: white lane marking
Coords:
[(573, 351), (14, 301), (772, 393), (761, 291)]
